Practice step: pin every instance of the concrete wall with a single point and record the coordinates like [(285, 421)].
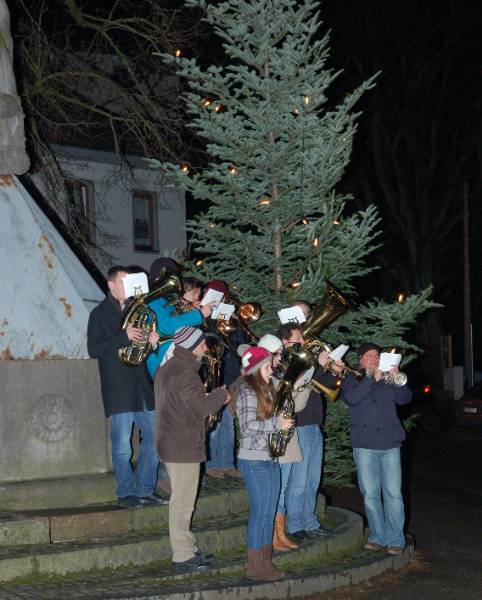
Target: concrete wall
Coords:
[(52, 421)]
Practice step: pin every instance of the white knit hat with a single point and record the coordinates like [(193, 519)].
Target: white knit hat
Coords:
[(271, 343)]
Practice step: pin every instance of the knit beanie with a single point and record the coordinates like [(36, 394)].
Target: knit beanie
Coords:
[(254, 358), (189, 337), (219, 285), (270, 342), (366, 346)]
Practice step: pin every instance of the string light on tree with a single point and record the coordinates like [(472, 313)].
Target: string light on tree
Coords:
[(206, 102), (199, 262), (306, 100), (232, 170), (177, 52), (185, 168), (305, 221), (218, 108), (336, 221), (401, 297), (264, 201), (316, 241)]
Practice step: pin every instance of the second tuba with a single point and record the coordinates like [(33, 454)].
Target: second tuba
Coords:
[(332, 305)]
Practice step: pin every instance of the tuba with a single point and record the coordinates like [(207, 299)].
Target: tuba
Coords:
[(332, 305), (140, 315), (294, 361)]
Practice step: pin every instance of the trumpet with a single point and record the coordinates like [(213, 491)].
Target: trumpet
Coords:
[(398, 379)]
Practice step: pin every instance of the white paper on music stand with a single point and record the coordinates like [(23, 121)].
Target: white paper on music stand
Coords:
[(389, 360), (339, 352), (212, 296), (223, 311), (292, 314), (135, 283)]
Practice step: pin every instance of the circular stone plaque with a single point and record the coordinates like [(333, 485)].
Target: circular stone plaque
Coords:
[(52, 418)]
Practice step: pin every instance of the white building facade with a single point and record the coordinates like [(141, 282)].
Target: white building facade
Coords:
[(128, 210)]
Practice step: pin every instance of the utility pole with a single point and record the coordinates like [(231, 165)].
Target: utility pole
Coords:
[(468, 350)]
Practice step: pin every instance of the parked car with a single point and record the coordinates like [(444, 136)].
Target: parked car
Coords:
[(472, 405)]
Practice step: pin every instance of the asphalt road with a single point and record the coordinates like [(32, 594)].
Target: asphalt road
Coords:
[(443, 481)]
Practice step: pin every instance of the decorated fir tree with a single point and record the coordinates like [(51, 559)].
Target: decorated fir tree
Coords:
[(277, 145)]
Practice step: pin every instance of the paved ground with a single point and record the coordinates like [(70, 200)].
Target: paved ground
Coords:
[(444, 498)]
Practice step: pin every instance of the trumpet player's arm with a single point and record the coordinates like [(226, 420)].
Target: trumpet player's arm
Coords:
[(101, 341), (247, 411), (402, 394)]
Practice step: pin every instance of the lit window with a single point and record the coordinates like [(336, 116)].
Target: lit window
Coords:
[(80, 213), (144, 221)]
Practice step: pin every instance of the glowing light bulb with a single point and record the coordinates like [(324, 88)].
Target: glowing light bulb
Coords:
[(336, 222), (296, 284), (177, 52), (218, 107), (232, 170), (305, 221), (199, 262), (401, 297), (206, 102), (264, 201), (307, 100), (185, 168), (316, 241), (296, 111)]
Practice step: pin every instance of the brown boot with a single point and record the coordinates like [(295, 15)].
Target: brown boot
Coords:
[(272, 570), (280, 539), (257, 567)]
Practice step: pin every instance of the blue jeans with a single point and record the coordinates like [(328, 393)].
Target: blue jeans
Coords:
[(262, 478), (379, 472), (145, 479), (285, 469), (221, 443), (302, 491)]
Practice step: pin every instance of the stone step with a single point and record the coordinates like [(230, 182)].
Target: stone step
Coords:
[(104, 521), (308, 571), (218, 536)]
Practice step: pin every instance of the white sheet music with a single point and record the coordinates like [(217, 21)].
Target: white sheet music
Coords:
[(292, 314), (135, 283)]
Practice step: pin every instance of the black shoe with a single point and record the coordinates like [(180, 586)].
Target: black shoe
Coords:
[(192, 565), (299, 536), (129, 502), (319, 532), (205, 556), (152, 500)]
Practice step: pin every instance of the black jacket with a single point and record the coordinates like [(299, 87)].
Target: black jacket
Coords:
[(124, 389)]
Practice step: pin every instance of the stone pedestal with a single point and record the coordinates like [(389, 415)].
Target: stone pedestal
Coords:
[(52, 421)]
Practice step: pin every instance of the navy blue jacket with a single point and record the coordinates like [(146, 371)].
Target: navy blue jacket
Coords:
[(124, 389), (374, 423)]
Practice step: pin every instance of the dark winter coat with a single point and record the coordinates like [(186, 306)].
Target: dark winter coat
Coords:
[(182, 407), (124, 389), (374, 423)]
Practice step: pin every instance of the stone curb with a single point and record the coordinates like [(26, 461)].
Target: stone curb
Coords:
[(61, 561), (301, 584)]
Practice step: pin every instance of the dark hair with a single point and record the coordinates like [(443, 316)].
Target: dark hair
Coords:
[(191, 283), (114, 271), (285, 331)]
